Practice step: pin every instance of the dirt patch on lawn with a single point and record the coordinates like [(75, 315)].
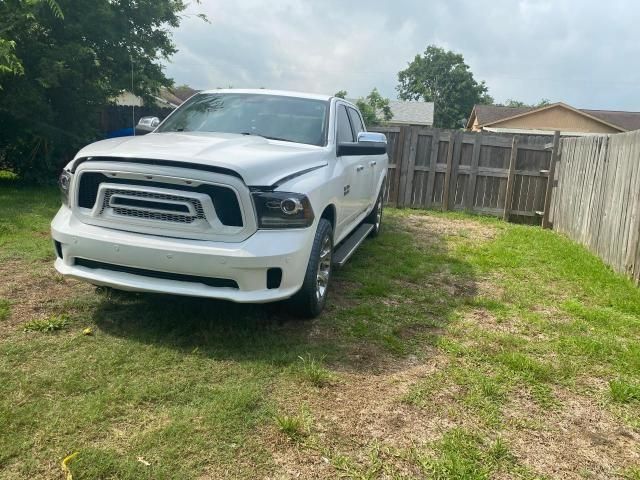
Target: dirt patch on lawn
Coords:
[(578, 440), (432, 229), (355, 413), (34, 290)]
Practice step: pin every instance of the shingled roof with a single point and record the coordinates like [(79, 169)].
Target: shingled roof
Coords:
[(488, 114), (413, 113), (492, 113), (408, 112), (626, 120)]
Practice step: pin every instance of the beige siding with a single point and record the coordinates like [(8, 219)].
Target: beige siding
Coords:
[(556, 118)]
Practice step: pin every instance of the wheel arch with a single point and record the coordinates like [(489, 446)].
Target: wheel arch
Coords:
[(329, 213)]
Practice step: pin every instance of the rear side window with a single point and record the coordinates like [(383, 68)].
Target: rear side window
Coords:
[(343, 131), (356, 121)]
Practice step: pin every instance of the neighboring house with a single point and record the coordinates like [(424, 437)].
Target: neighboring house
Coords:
[(166, 98), (411, 113), (408, 113), (120, 119), (557, 116)]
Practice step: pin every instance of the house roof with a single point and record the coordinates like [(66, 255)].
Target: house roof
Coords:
[(408, 112), (489, 114), (626, 120), (414, 113)]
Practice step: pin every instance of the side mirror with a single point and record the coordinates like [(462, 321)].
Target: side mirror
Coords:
[(369, 143), (147, 125)]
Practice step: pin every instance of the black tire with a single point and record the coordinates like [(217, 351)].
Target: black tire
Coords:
[(311, 298), (373, 216)]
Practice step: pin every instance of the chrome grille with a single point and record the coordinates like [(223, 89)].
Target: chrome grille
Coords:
[(154, 214)]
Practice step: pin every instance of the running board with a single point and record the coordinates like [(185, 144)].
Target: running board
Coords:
[(351, 244)]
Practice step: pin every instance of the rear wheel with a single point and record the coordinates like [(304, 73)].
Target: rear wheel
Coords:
[(375, 217), (312, 297)]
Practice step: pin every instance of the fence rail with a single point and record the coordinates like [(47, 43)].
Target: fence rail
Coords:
[(596, 200), (494, 174)]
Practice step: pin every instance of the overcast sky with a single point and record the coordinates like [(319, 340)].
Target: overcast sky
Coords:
[(585, 53)]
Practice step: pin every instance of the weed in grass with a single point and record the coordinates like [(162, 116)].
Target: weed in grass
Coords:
[(313, 372), (49, 324), (622, 391), (499, 452), (5, 309), (366, 468), (294, 426)]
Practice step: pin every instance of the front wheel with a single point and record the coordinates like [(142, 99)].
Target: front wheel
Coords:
[(312, 297), (375, 217)]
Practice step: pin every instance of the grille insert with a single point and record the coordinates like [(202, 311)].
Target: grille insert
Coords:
[(209, 281), (150, 206)]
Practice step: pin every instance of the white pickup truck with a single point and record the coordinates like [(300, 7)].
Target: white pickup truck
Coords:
[(243, 195)]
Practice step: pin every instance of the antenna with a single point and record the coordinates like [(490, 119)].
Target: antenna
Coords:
[(133, 105)]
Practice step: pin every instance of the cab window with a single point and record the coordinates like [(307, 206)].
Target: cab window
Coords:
[(344, 133), (356, 121)]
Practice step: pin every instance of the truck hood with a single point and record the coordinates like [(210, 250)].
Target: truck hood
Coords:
[(258, 160)]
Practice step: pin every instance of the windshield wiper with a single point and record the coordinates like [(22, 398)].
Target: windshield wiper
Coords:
[(265, 136)]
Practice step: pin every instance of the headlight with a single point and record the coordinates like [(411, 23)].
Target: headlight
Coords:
[(282, 210), (64, 182)]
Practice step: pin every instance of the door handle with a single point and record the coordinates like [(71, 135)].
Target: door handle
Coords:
[(373, 163), (359, 168)]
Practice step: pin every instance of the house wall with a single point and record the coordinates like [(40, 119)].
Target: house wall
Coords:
[(556, 118), (475, 127)]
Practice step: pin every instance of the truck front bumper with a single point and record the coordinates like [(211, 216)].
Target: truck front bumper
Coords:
[(176, 264)]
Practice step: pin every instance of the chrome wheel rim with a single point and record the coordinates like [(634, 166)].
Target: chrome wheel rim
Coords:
[(324, 268), (379, 213)]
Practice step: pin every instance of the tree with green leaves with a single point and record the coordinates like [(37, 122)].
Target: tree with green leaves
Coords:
[(442, 77), (374, 107), (61, 61)]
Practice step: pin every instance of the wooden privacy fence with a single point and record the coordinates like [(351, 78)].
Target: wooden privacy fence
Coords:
[(596, 200), (501, 175)]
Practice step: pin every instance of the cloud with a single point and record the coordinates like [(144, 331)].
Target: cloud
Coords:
[(576, 51)]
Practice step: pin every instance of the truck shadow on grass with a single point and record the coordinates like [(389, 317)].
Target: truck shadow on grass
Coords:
[(393, 299)]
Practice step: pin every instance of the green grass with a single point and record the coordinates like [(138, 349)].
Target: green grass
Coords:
[(49, 324), (624, 392), (460, 455), (190, 386), (25, 215), (5, 309), (293, 426), (312, 371)]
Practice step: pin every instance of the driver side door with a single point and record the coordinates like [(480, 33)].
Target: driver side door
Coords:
[(351, 204)]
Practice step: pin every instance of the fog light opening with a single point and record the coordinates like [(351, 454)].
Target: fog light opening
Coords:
[(274, 278), (58, 246)]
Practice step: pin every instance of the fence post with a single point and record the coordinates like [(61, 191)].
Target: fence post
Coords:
[(433, 162), (508, 200), (411, 165), (406, 151), (447, 174), (398, 169), (555, 154), (473, 173)]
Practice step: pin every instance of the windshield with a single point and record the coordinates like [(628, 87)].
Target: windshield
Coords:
[(291, 119)]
